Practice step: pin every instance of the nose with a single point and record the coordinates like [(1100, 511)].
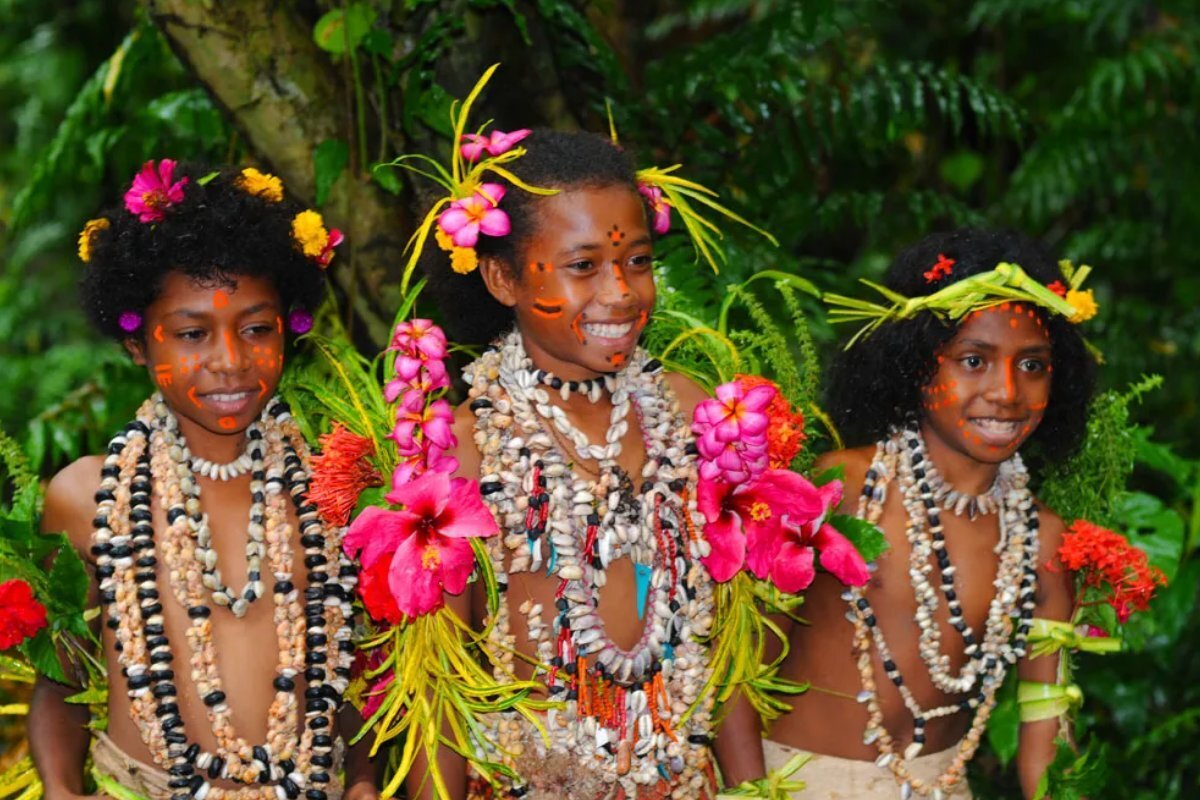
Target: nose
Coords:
[(615, 290), (1002, 383), (226, 354)]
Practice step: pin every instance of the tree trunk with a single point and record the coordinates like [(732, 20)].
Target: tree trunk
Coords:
[(258, 61)]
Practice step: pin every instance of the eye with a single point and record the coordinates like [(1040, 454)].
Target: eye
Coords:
[(258, 329), (972, 361), (583, 265), (191, 334), (642, 262), (1032, 365)]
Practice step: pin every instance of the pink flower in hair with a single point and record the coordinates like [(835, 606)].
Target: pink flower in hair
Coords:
[(659, 205), (496, 144), (152, 191), (471, 216), (336, 237)]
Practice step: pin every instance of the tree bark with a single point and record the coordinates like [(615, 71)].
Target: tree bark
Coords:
[(258, 61)]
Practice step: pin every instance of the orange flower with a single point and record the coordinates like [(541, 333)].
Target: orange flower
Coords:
[(1104, 558), (340, 473), (785, 427)]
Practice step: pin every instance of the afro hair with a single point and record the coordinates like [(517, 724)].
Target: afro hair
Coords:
[(216, 233), (876, 384)]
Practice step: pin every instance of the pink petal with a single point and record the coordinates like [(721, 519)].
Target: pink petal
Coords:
[(466, 236), (458, 560), (491, 193), (495, 223), (393, 388), (759, 398), (662, 219), (375, 531), (728, 547), (762, 541), (452, 219), (840, 557), (438, 431), (403, 433), (752, 423), (729, 393), (473, 148), (710, 498), (793, 568), (417, 589), (727, 430), (503, 142), (425, 497), (465, 515)]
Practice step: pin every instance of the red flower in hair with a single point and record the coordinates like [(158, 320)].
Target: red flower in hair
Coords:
[(1059, 288), (940, 270), (340, 473), (21, 616), (1107, 561)]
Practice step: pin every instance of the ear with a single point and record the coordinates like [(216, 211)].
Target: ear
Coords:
[(136, 349), (499, 280)]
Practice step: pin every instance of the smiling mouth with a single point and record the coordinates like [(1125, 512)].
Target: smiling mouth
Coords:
[(229, 402), (605, 330), (996, 431)]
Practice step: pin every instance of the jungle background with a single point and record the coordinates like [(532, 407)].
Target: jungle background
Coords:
[(846, 128)]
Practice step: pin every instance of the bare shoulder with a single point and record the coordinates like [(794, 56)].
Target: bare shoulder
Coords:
[(464, 433), (70, 501), (854, 461), (689, 392)]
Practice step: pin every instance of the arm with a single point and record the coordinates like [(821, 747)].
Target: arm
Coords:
[(738, 746), (57, 730), (1036, 748), (452, 766), (361, 772)]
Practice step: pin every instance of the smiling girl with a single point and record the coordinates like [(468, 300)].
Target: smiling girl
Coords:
[(226, 604), (580, 442), (941, 400)]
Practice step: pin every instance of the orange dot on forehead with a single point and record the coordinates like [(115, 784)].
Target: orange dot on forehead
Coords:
[(220, 299)]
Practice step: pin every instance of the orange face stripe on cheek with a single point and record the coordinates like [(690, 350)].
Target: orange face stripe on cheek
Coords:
[(158, 334), (162, 374), (263, 388), (191, 394), (548, 307), (576, 326)]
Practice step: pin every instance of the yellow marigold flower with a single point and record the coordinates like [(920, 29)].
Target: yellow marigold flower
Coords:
[(85, 237), (443, 239), (1084, 304), (260, 184), (308, 229), (463, 260)]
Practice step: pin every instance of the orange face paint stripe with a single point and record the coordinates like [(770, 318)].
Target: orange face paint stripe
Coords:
[(576, 327), (158, 336), (619, 274), (548, 307), (162, 374), (1009, 378), (262, 385), (191, 394), (279, 324), (229, 348)]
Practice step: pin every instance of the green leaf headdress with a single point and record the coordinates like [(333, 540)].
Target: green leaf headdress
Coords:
[(1007, 283)]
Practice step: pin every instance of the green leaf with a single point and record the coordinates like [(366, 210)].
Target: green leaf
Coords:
[(43, 655), (388, 177), (866, 538), (371, 496), (342, 29), (1004, 726), (68, 581), (1153, 527), (433, 108), (962, 169), (329, 159)]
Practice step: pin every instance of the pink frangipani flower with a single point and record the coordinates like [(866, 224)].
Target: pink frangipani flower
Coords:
[(471, 216), (416, 375), (497, 143), (659, 205), (731, 432), (419, 338), (428, 539), (433, 420), (152, 191)]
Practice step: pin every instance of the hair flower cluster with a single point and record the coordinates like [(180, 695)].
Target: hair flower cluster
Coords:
[(496, 144), (471, 216), (21, 615), (308, 229), (1084, 303), (658, 205), (152, 191), (260, 184), (90, 229), (759, 515)]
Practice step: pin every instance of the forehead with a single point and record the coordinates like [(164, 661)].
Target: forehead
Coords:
[(179, 290), (589, 212), (1008, 326)]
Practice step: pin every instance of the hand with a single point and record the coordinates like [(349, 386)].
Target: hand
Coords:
[(362, 790)]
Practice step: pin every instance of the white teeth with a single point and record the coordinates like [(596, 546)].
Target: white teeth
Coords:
[(229, 398), (999, 426), (607, 331)]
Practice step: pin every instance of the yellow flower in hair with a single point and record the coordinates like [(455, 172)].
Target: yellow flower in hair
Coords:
[(443, 239), (463, 260), (92, 227), (308, 229), (1084, 304), (260, 184)]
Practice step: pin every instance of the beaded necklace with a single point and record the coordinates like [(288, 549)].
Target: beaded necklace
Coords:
[(623, 708), (903, 457), (313, 636)]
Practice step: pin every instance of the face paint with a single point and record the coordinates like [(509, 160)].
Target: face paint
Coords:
[(576, 327), (616, 235), (228, 423), (162, 374), (263, 388), (191, 395), (279, 325), (619, 275), (233, 358), (617, 359), (158, 335), (220, 299), (548, 307)]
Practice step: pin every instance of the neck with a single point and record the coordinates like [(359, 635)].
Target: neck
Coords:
[(958, 469), (220, 448), (542, 359)]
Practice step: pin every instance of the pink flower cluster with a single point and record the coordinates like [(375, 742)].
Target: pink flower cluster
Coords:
[(152, 192), (423, 424), (658, 205), (411, 556), (495, 144), (771, 522), (465, 219)]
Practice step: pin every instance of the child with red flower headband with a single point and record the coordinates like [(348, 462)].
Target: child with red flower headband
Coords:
[(225, 598), (970, 357)]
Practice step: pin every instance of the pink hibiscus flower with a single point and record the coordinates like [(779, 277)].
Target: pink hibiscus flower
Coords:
[(427, 540), (792, 570), (496, 144), (471, 216), (659, 205), (152, 192)]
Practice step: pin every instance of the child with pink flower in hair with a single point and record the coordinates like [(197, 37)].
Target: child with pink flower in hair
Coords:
[(225, 622)]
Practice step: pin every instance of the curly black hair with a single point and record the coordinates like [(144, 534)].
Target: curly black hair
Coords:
[(876, 384), (553, 159), (215, 234)]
